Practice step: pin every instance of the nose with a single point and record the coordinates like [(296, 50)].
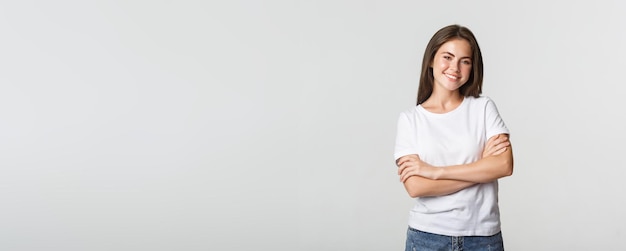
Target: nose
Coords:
[(455, 67)]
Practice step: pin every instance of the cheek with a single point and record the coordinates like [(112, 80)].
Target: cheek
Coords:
[(440, 65), (467, 71)]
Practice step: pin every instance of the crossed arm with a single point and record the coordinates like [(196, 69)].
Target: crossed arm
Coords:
[(422, 179)]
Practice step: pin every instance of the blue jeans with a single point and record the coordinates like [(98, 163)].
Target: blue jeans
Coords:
[(422, 241)]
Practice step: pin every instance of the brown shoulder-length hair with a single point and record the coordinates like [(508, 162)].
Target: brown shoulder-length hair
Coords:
[(473, 86)]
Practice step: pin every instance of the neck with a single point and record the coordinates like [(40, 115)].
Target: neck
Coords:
[(441, 102)]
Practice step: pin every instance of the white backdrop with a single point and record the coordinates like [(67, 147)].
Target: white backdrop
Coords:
[(269, 125)]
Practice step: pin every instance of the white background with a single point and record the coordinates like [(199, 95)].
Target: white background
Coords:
[(269, 125)]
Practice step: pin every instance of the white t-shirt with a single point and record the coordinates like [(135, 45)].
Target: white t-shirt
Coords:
[(453, 138)]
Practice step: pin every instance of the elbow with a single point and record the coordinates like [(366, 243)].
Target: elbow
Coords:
[(415, 193), (508, 163), (505, 164), (414, 189), (508, 167), (420, 190), (509, 172)]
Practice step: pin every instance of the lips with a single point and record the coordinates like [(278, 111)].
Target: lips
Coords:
[(453, 77)]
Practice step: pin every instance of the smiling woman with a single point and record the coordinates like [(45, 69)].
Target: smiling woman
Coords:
[(451, 149), (452, 64)]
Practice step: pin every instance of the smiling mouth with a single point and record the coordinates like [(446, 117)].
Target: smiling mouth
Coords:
[(451, 76)]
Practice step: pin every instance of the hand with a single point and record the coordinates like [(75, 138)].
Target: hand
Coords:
[(412, 165), (496, 145)]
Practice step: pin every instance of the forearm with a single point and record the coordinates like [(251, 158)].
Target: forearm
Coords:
[(482, 171), (417, 186)]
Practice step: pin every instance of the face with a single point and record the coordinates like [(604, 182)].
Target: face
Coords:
[(452, 65)]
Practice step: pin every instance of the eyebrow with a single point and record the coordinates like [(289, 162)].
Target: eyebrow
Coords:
[(449, 53)]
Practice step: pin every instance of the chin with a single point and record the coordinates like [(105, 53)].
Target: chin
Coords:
[(452, 87)]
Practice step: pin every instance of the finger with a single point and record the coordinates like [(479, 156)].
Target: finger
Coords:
[(403, 166), (402, 175), (403, 178), (494, 138), (409, 170), (500, 140), (408, 167), (492, 142), (403, 159), (407, 175), (490, 149), (501, 146), (499, 151), (489, 152), (495, 150), (399, 161), (503, 138)]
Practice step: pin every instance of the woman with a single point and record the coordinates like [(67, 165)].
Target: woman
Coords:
[(451, 149)]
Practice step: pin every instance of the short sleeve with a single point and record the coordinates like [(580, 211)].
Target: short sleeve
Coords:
[(406, 141), (494, 124)]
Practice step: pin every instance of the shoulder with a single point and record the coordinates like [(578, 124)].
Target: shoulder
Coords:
[(481, 101), (408, 113)]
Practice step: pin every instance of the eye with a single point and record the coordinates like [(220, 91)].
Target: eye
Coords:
[(447, 57), (466, 62)]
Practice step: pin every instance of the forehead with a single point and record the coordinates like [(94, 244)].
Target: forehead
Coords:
[(459, 47)]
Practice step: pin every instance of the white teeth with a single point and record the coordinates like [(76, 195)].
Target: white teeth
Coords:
[(450, 76)]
